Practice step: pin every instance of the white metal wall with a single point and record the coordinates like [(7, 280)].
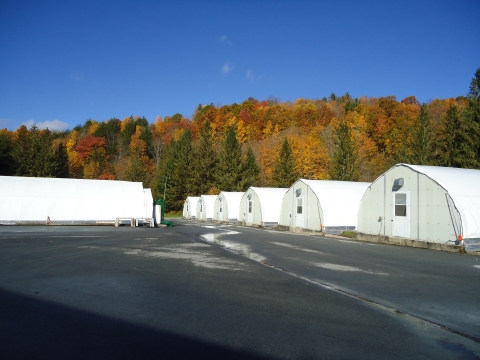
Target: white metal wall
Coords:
[(256, 208), (312, 213), (429, 215)]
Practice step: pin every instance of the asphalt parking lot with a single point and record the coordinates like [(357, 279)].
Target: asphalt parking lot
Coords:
[(110, 293)]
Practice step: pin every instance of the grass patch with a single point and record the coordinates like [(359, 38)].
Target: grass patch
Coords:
[(174, 214), (348, 234)]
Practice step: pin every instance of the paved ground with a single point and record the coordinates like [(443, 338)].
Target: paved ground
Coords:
[(104, 292)]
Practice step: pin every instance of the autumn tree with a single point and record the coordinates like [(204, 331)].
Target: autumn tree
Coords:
[(344, 165), (109, 130), (229, 168), (92, 153), (284, 168)]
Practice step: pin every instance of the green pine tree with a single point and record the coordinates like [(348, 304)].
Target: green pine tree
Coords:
[(472, 116), (22, 153), (203, 168), (229, 169), (164, 169), (179, 173), (344, 164), (61, 168), (250, 170), (284, 167), (423, 140), (7, 160), (456, 146), (44, 159)]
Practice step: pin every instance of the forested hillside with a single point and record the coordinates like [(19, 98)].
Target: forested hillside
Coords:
[(257, 142)]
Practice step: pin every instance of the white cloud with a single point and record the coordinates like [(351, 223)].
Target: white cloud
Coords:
[(53, 125), (77, 76), (225, 39), (227, 67), (250, 74)]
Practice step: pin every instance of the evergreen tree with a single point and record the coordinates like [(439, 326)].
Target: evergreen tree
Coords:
[(423, 140), (472, 115), (229, 169), (179, 173), (164, 169), (61, 168), (33, 153), (344, 164), (44, 159), (284, 167), (7, 160), (22, 153), (205, 162), (456, 146), (250, 170)]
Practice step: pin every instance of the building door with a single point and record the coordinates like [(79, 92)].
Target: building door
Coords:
[(249, 211), (220, 210), (401, 214), (299, 221)]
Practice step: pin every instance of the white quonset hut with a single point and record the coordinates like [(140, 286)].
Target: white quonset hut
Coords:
[(38, 200), (205, 207), (424, 203), (227, 205), (190, 207), (261, 206), (322, 205)]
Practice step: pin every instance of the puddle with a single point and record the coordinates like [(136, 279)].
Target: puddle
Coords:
[(237, 248), (194, 245), (355, 242), (337, 267), (197, 258), (296, 247)]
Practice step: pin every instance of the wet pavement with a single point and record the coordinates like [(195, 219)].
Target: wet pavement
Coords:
[(435, 286), (209, 292)]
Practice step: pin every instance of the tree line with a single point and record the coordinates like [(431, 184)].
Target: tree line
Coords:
[(262, 143)]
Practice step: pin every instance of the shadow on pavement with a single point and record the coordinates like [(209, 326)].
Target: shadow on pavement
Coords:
[(36, 329)]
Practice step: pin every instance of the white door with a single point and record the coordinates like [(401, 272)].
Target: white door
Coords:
[(299, 213), (249, 211), (401, 214), (220, 211)]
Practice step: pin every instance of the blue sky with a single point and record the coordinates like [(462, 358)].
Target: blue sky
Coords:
[(63, 62)]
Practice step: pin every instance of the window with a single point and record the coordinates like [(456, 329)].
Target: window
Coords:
[(400, 204), (249, 206), (299, 205), (220, 208)]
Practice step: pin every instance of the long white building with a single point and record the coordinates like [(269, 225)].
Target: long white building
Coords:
[(34, 199)]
